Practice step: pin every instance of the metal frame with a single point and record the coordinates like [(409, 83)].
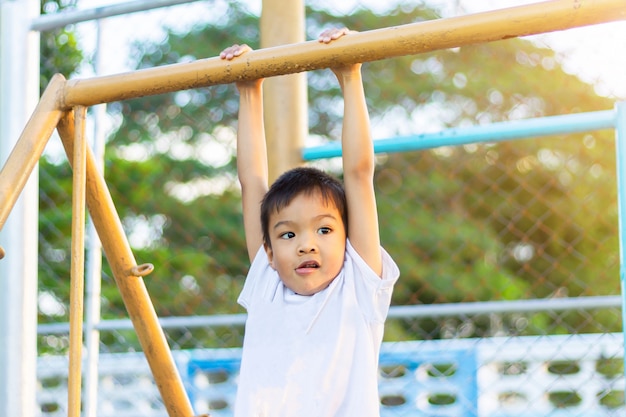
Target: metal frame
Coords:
[(63, 99)]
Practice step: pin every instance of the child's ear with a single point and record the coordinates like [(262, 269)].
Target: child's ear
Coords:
[(270, 254)]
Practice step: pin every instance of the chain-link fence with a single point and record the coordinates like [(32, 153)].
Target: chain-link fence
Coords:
[(514, 242)]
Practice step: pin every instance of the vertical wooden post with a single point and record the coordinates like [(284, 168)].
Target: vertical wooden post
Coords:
[(285, 97), (77, 282)]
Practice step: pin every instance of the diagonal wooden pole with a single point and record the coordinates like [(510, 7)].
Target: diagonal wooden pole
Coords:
[(128, 277), (367, 46), (30, 146)]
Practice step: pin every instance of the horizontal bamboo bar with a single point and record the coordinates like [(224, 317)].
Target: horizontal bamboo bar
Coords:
[(29, 147), (367, 46), (132, 288)]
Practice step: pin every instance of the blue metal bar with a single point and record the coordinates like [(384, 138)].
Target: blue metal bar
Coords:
[(496, 132), (620, 151)]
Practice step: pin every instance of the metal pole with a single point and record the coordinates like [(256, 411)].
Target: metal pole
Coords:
[(128, 277), (367, 46), (53, 21), (494, 132), (620, 148), (599, 302), (285, 98), (19, 86), (94, 259), (77, 283)]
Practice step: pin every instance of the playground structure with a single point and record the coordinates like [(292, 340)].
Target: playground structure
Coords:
[(64, 103)]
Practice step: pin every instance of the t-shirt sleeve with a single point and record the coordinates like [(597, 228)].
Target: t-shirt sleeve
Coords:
[(254, 280), (373, 292)]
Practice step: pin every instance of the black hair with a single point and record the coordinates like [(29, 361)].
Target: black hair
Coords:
[(295, 182)]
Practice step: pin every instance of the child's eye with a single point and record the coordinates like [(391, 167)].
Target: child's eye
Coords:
[(324, 230), (287, 235)]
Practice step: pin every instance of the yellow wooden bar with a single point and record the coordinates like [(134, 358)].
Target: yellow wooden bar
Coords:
[(29, 147), (367, 46), (77, 276), (132, 288)]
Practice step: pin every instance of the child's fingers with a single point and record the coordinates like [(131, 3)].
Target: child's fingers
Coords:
[(242, 49), (332, 34), (328, 35), (340, 32), (234, 51)]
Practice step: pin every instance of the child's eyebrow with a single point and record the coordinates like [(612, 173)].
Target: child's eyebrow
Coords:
[(282, 223), (291, 222), (326, 215)]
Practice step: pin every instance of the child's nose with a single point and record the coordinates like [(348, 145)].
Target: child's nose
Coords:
[(307, 245), (307, 249)]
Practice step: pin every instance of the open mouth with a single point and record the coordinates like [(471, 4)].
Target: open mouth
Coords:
[(308, 265)]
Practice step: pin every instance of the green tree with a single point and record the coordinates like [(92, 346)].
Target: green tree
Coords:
[(481, 222), (60, 52)]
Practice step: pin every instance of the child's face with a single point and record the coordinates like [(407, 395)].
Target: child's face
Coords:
[(308, 240)]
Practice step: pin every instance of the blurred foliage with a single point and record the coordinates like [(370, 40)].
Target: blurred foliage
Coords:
[(60, 52), (479, 222)]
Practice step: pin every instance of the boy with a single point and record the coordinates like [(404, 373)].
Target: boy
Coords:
[(318, 290)]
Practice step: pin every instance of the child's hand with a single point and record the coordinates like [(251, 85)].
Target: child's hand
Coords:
[(332, 34), (234, 51)]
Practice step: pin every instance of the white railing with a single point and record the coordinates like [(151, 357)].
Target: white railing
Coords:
[(555, 376)]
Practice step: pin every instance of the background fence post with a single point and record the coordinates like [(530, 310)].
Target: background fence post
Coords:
[(19, 83), (620, 152)]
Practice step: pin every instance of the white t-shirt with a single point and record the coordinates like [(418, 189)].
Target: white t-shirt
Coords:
[(313, 355)]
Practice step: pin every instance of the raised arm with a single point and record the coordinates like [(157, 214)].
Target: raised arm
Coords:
[(358, 161), (251, 153)]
